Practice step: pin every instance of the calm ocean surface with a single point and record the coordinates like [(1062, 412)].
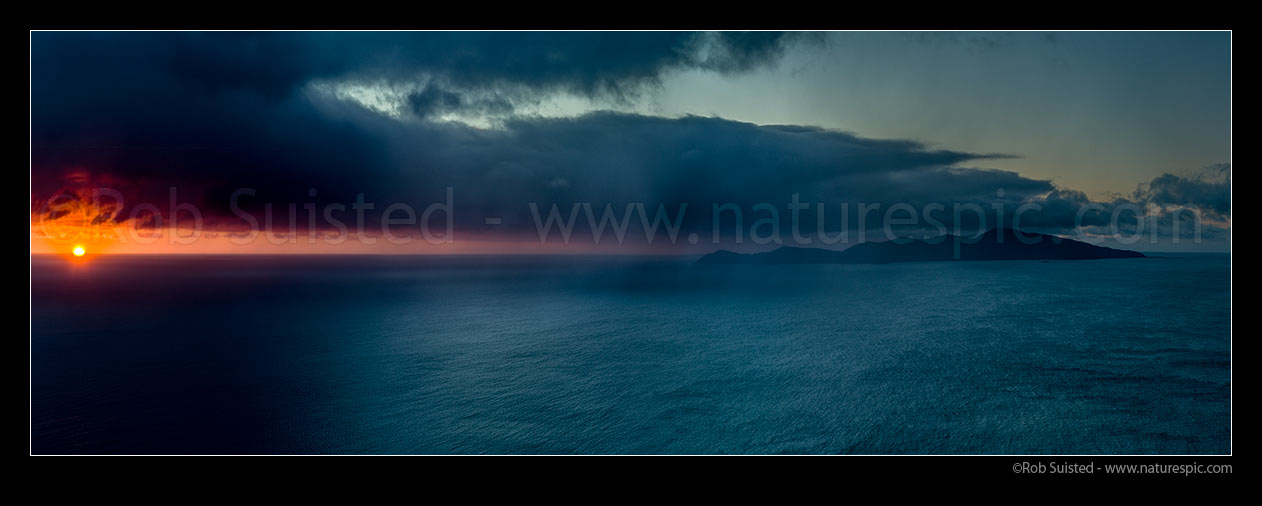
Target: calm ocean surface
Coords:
[(628, 355)]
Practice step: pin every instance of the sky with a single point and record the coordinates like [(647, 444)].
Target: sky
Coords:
[(479, 134)]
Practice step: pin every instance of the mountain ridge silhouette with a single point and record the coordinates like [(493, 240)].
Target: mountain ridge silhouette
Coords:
[(1000, 243)]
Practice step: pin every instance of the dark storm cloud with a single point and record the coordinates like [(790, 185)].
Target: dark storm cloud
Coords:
[(1183, 205), (167, 107), (620, 158), (274, 64), (1209, 189)]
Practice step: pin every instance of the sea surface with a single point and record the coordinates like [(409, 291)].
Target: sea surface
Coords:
[(562, 355)]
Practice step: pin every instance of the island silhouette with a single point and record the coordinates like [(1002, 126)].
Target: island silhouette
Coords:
[(995, 244)]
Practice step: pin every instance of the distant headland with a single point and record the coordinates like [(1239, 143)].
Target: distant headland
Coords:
[(995, 244)]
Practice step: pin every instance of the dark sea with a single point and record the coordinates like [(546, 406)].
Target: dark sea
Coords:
[(562, 355)]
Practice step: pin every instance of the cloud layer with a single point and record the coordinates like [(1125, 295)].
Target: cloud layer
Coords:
[(213, 113)]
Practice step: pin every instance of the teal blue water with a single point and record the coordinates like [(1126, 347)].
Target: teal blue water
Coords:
[(628, 355)]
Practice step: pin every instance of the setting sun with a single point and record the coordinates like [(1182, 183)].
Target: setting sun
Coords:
[(79, 251)]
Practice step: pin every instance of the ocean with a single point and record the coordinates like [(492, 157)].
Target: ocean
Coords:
[(628, 355)]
